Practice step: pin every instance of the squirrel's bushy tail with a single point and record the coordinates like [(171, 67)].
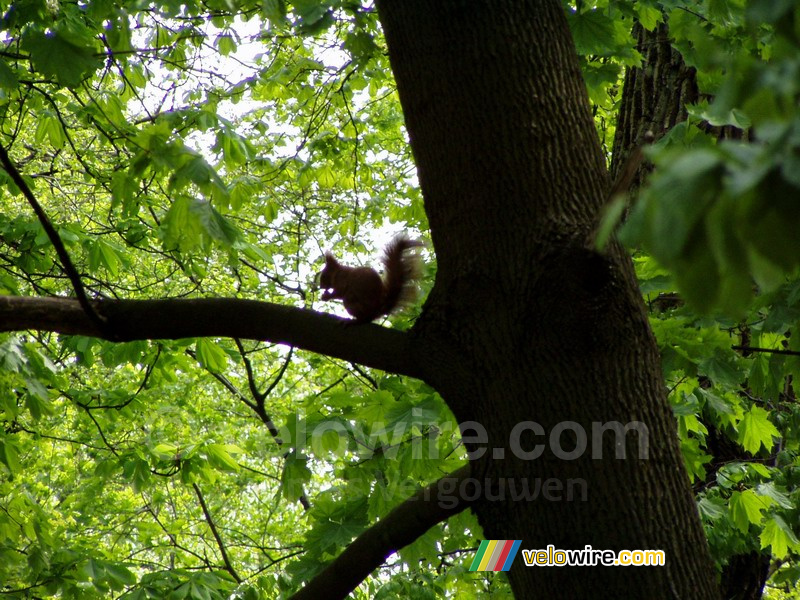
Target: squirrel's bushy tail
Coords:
[(402, 271)]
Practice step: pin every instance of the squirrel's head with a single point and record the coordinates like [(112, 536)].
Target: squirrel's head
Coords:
[(326, 275)]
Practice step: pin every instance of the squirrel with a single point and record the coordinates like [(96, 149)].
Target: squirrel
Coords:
[(365, 294)]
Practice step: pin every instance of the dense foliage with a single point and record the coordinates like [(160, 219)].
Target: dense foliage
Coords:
[(217, 149)]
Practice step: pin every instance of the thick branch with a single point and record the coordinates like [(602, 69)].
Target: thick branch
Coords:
[(399, 528), (378, 347)]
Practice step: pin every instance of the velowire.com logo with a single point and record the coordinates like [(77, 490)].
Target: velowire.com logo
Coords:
[(495, 555)]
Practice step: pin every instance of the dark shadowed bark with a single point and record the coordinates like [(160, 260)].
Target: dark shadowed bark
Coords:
[(655, 98), (172, 319), (744, 576), (400, 527), (549, 330)]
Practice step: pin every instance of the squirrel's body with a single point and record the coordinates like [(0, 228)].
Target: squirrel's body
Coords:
[(365, 294)]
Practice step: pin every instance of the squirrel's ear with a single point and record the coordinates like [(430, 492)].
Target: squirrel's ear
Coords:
[(330, 259)]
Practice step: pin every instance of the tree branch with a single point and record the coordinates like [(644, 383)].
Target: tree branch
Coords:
[(55, 239), (258, 408), (377, 347), (228, 565), (767, 350), (404, 524)]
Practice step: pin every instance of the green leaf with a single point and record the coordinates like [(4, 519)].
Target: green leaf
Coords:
[(123, 188), (768, 275), (219, 457), (592, 31), (118, 34), (677, 200), (332, 442), (37, 400), (226, 44), (778, 536), (67, 235), (360, 45), (235, 149), (9, 455), (190, 223), (311, 9), (274, 11), (718, 405), (755, 431), (336, 524), (326, 176), (768, 490), (295, 475), (712, 509), (165, 451), (107, 257), (242, 191), (721, 368), (211, 355), (180, 231), (8, 78), (120, 574), (314, 23), (213, 224), (761, 470), (197, 170), (8, 402), (649, 16), (745, 508), (599, 78), (12, 357), (139, 473), (56, 56), (376, 407)]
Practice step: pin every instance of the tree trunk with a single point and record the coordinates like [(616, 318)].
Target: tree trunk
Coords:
[(654, 98), (546, 329)]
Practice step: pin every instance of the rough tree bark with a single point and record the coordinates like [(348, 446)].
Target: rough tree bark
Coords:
[(550, 331), (654, 98)]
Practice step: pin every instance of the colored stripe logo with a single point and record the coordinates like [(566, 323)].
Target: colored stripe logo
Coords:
[(495, 555)]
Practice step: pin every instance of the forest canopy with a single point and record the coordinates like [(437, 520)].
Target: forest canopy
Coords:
[(182, 155)]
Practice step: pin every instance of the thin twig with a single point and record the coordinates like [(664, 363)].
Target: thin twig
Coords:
[(258, 406), (769, 350), (365, 375), (228, 566), (278, 377)]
